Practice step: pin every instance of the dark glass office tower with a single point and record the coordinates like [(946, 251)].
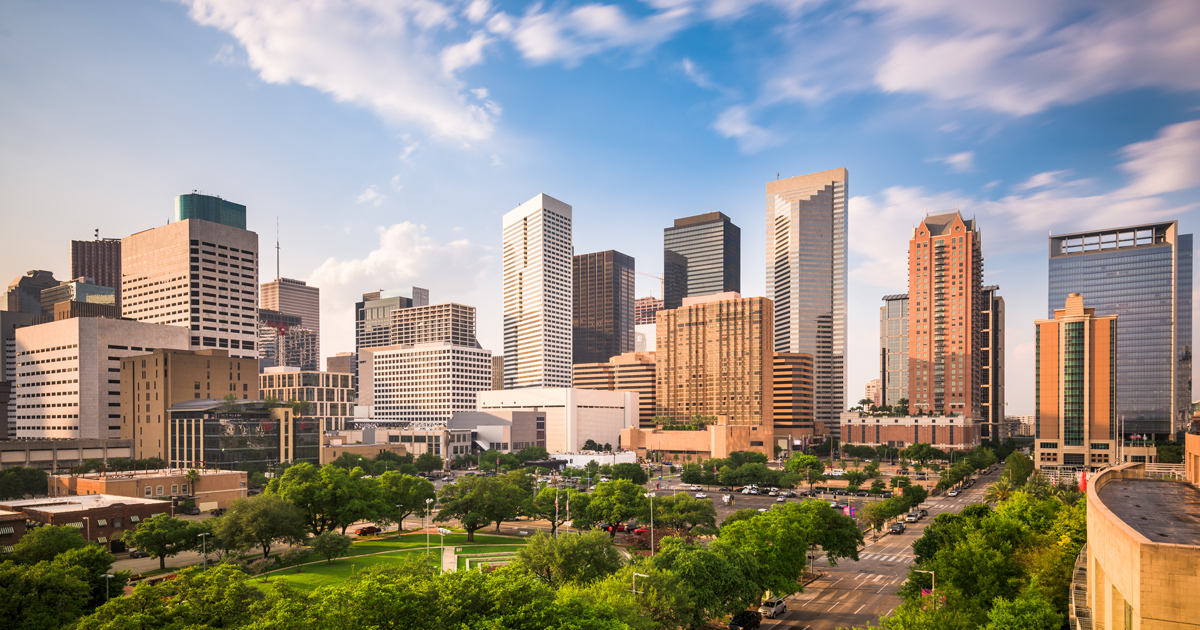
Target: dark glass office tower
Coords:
[(1143, 275), (702, 256), (602, 319)]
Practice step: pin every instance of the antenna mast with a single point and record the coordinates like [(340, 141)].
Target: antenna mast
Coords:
[(277, 276)]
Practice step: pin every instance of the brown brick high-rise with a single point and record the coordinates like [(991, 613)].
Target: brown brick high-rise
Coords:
[(99, 260)]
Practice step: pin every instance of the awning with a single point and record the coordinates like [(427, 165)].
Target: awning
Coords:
[(156, 514), (134, 519), (79, 525), (101, 522), (102, 540), (6, 548), (6, 531)]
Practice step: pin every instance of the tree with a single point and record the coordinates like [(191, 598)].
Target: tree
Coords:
[(1031, 610), (1017, 468), (216, 598), (570, 559), (20, 482), (855, 477), (401, 496), (715, 577), (428, 462), (162, 536), (260, 521), (45, 595), (591, 445), (877, 487), (42, 544), (744, 514), (632, 472), (192, 477), (876, 515), (921, 452), (477, 501), (684, 512), (808, 467), (617, 501), (301, 485), (532, 454), (551, 504), (330, 545), (999, 491)]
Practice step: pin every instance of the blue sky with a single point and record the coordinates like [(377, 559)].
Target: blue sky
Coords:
[(389, 136)]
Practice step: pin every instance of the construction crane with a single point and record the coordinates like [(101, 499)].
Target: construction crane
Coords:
[(661, 290)]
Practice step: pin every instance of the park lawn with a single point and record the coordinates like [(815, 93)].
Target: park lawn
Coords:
[(487, 549), (364, 546), (314, 576)]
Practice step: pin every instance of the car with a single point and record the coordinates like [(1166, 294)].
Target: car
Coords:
[(953, 493), (136, 553), (762, 509), (217, 511), (367, 530), (902, 471), (839, 493), (773, 493), (834, 504), (897, 528), (924, 512), (642, 530), (887, 495), (622, 527), (724, 489), (912, 518), (701, 495), (745, 620), (862, 493), (193, 511), (773, 607), (781, 500), (791, 494)]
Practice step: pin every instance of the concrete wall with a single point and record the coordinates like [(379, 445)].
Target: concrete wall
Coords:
[(1191, 458), (53, 455)]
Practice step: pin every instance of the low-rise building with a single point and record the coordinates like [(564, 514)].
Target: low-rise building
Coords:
[(12, 528), (629, 372), (212, 489), (504, 430), (55, 455), (573, 416), (101, 518), (943, 432), (214, 433), (714, 440), (329, 397), (370, 441)]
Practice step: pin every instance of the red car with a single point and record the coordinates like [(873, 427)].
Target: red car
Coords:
[(369, 529), (642, 530)]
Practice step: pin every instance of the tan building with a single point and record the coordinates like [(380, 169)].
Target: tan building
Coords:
[(951, 432), (370, 441), (794, 409), (498, 372), (342, 363), (715, 358), (715, 440), (1143, 549), (871, 392), (151, 384), (213, 488), (1075, 389), (330, 397), (629, 372), (101, 518), (55, 455)]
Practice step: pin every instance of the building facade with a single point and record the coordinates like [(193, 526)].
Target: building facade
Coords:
[(294, 297), (951, 432), (702, 255), (100, 260), (422, 382), (1142, 273), (794, 410), (806, 278), (991, 363), (872, 392), (537, 294), (498, 371), (215, 434), (68, 374), (504, 430), (102, 519), (453, 323), (893, 348), (630, 372), (211, 209), (284, 341), (328, 398), (573, 416), (716, 359), (10, 321), (342, 363), (213, 489), (1076, 388), (25, 292), (603, 306), (373, 316), (370, 440), (54, 455), (77, 290), (197, 275), (150, 384), (645, 310), (945, 282)]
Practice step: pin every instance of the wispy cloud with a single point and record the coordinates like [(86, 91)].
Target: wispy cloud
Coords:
[(735, 123), (371, 196), (696, 75), (958, 162)]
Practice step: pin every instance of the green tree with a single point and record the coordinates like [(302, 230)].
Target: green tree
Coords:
[(261, 521), (876, 515), (715, 578), (1017, 468), (559, 560), (999, 491), (162, 536), (617, 501), (428, 462), (744, 514), (401, 496), (477, 501), (854, 477), (1031, 610), (591, 445), (45, 595), (630, 471), (808, 467), (532, 453), (42, 544), (330, 545), (551, 504), (877, 487), (683, 512), (20, 482), (216, 598), (302, 486)]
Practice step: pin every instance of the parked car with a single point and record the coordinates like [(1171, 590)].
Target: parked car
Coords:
[(862, 493), (701, 495), (217, 511), (953, 492), (924, 512), (192, 511), (781, 500), (791, 494), (642, 530), (886, 495), (367, 530), (902, 471), (745, 620), (773, 607), (839, 493), (912, 517), (773, 493), (897, 528), (135, 553), (724, 489)]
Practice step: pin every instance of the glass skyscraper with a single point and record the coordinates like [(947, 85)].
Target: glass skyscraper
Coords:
[(893, 348), (209, 208), (603, 306), (702, 255), (1143, 275)]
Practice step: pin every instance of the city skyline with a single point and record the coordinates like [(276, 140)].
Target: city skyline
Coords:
[(361, 192)]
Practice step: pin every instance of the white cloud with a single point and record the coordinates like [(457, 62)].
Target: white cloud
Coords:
[(409, 149), (958, 162), (478, 10), (570, 34), (1169, 162), (696, 75), (405, 256), (372, 196), (391, 57), (396, 184), (735, 123)]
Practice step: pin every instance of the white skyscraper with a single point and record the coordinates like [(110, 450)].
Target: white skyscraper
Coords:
[(198, 275), (537, 294), (806, 278)]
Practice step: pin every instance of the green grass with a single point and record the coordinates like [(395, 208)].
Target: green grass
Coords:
[(478, 549), (363, 546), (314, 576)]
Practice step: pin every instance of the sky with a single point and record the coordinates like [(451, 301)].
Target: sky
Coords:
[(388, 137)]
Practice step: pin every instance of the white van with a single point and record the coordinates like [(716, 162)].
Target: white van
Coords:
[(837, 472)]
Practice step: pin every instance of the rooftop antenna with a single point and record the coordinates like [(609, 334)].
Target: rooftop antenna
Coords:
[(277, 276), (97, 234)]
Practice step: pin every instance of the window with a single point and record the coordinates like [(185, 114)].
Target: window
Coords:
[(174, 488), (118, 521), (184, 488), (149, 490), (160, 491)]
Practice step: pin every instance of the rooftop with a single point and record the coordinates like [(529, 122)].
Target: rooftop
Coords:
[(143, 474), (80, 503), (1162, 511)]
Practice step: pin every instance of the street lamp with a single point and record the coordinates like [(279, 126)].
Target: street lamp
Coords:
[(203, 548), (107, 577), (400, 524), (427, 502), (88, 521), (932, 583), (651, 496)]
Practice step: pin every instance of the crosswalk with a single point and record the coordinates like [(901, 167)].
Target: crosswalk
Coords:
[(899, 558)]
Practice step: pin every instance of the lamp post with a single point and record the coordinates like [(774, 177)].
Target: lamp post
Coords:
[(400, 523), (427, 502), (651, 496), (107, 577), (203, 548), (88, 521), (932, 583)]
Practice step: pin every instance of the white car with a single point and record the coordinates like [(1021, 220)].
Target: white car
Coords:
[(781, 500), (773, 607), (953, 493), (762, 509), (701, 495), (773, 493), (746, 491)]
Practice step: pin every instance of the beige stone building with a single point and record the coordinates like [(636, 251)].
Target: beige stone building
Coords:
[(213, 488), (151, 384), (715, 440), (330, 397), (629, 372), (370, 441)]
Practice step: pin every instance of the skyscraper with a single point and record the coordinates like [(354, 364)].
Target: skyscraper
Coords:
[(702, 255), (945, 283), (100, 260), (630, 372), (284, 341), (603, 283), (294, 297), (893, 348), (1075, 387), (991, 362), (78, 290), (195, 274), (373, 317), (209, 208), (792, 396), (1142, 273), (25, 292), (537, 294), (645, 309), (806, 278)]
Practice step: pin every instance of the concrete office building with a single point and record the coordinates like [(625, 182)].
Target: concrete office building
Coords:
[(294, 297), (715, 359), (72, 309), (373, 316), (25, 292), (422, 382), (214, 489), (1075, 388), (284, 341), (211, 209), (197, 275), (573, 416), (945, 294), (1142, 273), (10, 321), (330, 397), (369, 440), (54, 455), (603, 317), (702, 255), (794, 412), (248, 432), (498, 372), (629, 372), (78, 290), (893, 348), (645, 310), (150, 384), (806, 278), (504, 430), (68, 374), (991, 363), (449, 322), (537, 294), (100, 260), (951, 432), (342, 363)]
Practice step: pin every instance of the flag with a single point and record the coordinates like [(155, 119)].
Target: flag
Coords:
[(1083, 482)]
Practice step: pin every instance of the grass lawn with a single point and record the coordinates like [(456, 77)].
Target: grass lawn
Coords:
[(363, 546), (486, 549), (317, 575)]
